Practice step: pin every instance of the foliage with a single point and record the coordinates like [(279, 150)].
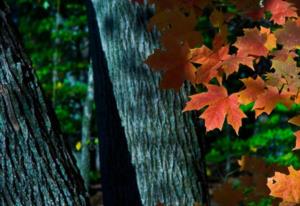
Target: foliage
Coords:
[(55, 36), (247, 52)]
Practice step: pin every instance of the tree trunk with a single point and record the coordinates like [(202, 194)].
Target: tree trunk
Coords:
[(118, 177), (162, 140), (85, 160), (35, 166)]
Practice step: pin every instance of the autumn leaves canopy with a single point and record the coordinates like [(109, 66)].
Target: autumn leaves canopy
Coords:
[(183, 56)]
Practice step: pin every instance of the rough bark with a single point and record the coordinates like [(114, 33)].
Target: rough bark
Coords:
[(118, 177), (161, 139), (35, 165)]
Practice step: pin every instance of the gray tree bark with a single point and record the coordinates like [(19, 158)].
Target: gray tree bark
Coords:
[(161, 139), (35, 166)]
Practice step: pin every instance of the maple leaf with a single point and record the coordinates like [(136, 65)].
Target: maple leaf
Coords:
[(288, 36), (254, 88), (231, 197), (280, 10), (210, 62), (176, 25), (174, 60), (286, 75), (271, 40), (286, 187), (220, 106), (267, 101), (217, 60), (255, 42), (232, 63)]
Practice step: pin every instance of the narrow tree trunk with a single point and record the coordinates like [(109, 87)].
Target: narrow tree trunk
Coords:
[(85, 129), (161, 139), (35, 166)]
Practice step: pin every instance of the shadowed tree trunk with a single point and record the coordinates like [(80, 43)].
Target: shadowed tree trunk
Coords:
[(162, 140), (85, 159), (35, 166), (117, 173)]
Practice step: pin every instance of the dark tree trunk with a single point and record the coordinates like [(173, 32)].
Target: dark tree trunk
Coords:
[(35, 166), (117, 173), (161, 139)]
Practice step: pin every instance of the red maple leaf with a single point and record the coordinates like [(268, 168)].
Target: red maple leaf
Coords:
[(220, 106), (254, 88), (280, 10), (175, 62), (268, 100), (210, 62), (255, 42)]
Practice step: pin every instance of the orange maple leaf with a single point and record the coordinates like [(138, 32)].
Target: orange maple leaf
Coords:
[(213, 62), (286, 76), (174, 60), (254, 88), (255, 42), (220, 106), (210, 62), (288, 36), (267, 101), (232, 63), (286, 187)]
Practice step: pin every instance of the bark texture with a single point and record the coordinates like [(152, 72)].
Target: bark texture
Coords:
[(162, 140), (118, 177), (35, 165)]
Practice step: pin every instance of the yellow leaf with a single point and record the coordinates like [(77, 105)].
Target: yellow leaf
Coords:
[(78, 146)]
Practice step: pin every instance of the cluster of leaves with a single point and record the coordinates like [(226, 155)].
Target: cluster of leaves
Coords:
[(255, 42)]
